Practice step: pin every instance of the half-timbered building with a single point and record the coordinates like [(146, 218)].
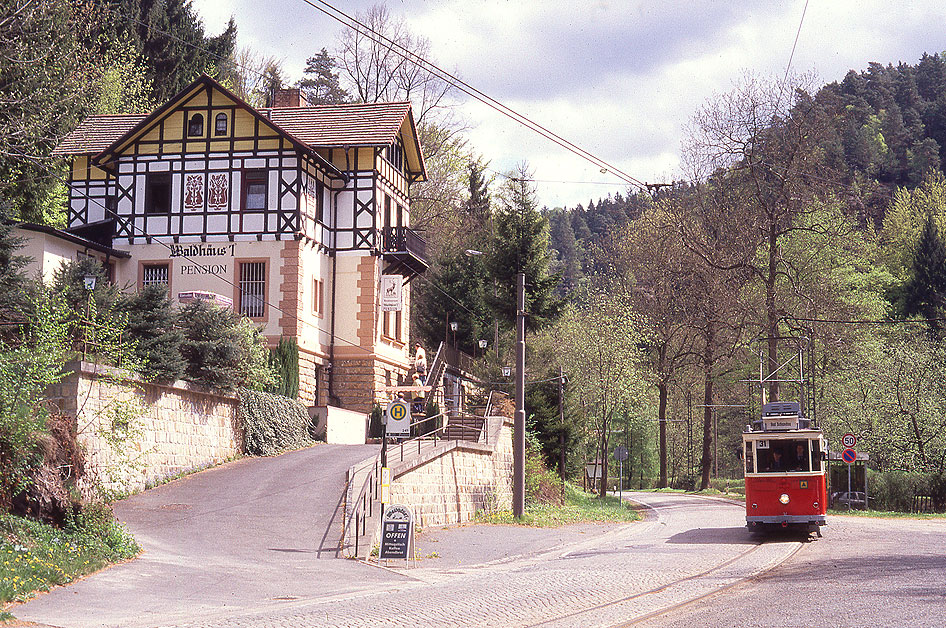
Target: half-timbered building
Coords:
[(295, 214)]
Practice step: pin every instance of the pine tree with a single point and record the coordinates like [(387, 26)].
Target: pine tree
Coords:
[(455, 292), (321, 85), (14, 285), (563, 240), (212, 345), (152, 326), (520, 244), (924, 293), (478, 204)]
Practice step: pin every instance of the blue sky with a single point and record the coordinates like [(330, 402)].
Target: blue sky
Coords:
[(621, 79)]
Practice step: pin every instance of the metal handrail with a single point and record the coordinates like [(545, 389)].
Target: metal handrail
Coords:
[(363, 505), (369, 491)]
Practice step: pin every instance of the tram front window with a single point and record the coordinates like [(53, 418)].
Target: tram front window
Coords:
[(778, 456)]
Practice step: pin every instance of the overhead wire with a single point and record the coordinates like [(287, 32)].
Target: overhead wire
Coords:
[(348, 21), (355, 24)]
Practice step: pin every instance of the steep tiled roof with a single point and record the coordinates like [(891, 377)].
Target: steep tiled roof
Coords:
[(96, 133), (372, 124)]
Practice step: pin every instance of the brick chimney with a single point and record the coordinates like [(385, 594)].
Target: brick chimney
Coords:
[(289, 97)]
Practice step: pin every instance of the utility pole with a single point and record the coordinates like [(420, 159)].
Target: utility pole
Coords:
[(561, 417), (519, 425)]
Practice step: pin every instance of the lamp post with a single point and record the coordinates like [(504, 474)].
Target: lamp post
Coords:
[(453, 328)]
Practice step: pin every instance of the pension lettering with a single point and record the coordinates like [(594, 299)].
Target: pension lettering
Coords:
[(204, 269)]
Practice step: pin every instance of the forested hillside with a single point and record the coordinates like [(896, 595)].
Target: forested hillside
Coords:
[(824, 223)]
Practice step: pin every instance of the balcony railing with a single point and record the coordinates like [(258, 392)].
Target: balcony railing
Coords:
[(405, 249)]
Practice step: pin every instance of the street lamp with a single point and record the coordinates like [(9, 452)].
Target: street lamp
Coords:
[(89, 281)]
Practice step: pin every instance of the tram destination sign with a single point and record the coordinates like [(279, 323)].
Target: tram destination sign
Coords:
[(780, 423)]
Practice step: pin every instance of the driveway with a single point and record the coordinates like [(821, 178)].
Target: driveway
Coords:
[(245, 535)]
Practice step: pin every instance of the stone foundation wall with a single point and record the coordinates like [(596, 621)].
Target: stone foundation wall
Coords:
[(162, 430), (453, 487)]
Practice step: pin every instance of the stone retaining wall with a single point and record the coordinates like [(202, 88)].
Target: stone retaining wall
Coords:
[(451, 486), (163, 430)]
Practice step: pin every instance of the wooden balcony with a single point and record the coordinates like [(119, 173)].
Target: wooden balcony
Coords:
[(405, 252)]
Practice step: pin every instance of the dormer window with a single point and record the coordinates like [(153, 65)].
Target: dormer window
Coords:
[(220, 124), (195, 128)]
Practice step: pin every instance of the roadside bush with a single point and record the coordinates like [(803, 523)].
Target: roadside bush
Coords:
[(542, 485), (28, 366), (272, 423), (284, 363), (894, 490)]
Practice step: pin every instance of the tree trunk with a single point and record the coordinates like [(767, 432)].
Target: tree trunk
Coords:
[(708, 359), (771, 313), (662, 423), (707, 459), (603, 483)]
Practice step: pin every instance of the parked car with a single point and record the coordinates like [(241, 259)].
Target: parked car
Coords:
[(853, 499)]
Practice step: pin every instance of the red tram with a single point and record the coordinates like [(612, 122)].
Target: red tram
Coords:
[(786, 474)]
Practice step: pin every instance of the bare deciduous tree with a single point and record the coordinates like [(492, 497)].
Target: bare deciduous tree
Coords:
[(764, 139)]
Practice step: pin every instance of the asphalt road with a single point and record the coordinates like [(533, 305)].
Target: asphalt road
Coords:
[(863, 573), (227, 549), (245, 535), (246, 545)]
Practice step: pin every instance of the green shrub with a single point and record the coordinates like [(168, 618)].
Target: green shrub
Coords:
[(272, 423), (542, 485), (375, 427), (284, 363), (223, 349), (152, 325)]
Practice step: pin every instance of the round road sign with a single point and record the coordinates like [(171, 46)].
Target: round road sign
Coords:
[(398, 411), (849, 455), (849, 440), (620, 453)]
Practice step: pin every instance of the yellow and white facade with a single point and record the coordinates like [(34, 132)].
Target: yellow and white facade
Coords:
[(289, 214)]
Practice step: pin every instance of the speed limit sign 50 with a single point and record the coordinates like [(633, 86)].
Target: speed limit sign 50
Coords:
[(849, 441)]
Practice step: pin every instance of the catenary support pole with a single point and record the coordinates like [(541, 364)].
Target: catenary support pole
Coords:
[(519, 425)]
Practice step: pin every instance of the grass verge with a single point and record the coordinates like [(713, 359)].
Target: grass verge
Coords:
[(579, 507), (886, 514), (35, 556)]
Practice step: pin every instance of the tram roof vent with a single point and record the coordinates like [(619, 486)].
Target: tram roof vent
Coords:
[(781, 408)]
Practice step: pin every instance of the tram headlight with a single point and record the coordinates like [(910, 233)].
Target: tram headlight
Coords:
[(784, 498)]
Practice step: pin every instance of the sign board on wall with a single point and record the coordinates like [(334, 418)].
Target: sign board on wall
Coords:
[(392, 299)]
